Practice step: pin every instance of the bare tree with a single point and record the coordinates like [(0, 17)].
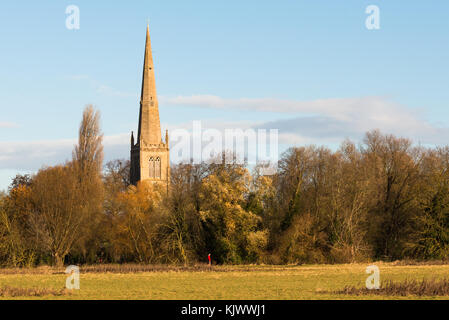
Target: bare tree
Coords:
[(88, 154), (87, 163)]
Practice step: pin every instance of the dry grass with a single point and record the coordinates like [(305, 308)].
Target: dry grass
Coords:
[(425, 287), (8, 291), (37, 270), (139, 268), (136, 268), (409, 262), (113, 268)]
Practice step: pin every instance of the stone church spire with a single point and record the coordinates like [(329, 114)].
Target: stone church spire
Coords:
[(149, 124), (150, 156)]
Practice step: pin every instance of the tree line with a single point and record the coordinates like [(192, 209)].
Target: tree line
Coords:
[(383, 199)]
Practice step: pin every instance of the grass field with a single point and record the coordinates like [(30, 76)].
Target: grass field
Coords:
[(238, 282)]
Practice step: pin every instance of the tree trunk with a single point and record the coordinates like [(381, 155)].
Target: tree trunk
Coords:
[(58, 260)]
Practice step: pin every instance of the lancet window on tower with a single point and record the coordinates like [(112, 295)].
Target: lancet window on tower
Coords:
[(155, 168), (151, 167)]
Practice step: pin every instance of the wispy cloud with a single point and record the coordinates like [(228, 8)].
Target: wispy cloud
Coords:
[(106, 90), (100, 87), (78, 77), (32, 155), (329, 120), (8, 125)]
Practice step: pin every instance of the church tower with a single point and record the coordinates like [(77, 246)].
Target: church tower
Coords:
[(149, 154)]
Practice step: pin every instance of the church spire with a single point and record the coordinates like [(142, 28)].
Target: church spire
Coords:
[(149, 124), (150, 156)]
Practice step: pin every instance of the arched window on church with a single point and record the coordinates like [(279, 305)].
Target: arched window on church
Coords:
[(157, 168), (151, 167)]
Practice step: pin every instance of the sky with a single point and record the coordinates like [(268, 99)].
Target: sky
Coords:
[(311, 69)]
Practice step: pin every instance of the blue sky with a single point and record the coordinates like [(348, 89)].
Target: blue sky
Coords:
[(309, 68)]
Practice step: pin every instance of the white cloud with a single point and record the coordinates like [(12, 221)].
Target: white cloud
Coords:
[(8, 125), (329, 106), (32, 155), (329, 120), (106, 90), (78, 77), (101, 88)]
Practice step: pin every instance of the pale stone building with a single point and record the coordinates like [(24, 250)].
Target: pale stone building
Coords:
[(149, 154)]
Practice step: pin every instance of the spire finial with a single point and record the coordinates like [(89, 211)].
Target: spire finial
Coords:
[(148, 29)]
